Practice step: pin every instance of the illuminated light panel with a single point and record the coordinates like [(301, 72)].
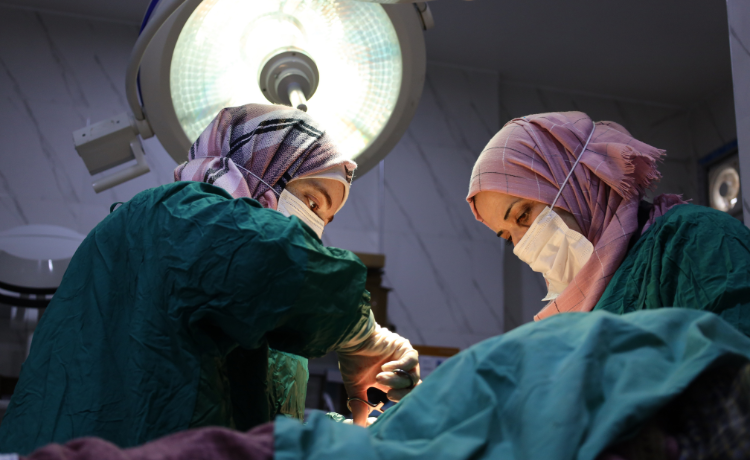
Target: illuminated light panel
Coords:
[(224, 44)]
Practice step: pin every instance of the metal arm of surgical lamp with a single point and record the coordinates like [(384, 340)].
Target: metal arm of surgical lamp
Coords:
[(138, 169), (113, 142)]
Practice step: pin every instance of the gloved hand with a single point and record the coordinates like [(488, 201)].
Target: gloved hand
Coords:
[(371, 364)]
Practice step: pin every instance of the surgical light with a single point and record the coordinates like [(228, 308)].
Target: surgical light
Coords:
[(724, 186), (356, 66)]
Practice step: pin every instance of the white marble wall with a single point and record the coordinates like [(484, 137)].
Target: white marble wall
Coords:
[(739, 42), (57, 74), (447, 271)]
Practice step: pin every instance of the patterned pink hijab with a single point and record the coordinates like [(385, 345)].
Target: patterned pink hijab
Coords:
[(530, 158), (274, 143)]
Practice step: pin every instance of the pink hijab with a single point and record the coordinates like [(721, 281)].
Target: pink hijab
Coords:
[(275, 143), (530, 158)]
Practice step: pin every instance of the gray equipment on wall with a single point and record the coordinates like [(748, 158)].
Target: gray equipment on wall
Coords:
[(33, 259), (720, 177), (357, 66)]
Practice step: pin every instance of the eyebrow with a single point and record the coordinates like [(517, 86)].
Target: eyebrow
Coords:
[(323, 192), (509, 208)]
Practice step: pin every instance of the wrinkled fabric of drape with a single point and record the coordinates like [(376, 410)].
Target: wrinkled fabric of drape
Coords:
[(531, 157), (164, 319), (692, 257), (561, 389)]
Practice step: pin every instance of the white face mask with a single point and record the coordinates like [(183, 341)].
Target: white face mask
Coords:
[(551, 248), (554, 250), (290, 205)]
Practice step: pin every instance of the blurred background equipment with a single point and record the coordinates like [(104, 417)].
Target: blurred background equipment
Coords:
[(33, 259), (720, 172), (358, 67)]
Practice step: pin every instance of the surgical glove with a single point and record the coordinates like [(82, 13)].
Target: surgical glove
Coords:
[(371, 364)]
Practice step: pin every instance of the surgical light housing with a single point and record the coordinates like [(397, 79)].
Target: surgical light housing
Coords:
[(356, 66), (724, 186)]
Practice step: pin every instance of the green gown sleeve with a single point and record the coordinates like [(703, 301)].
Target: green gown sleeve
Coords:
[(692, 257), (258, 279), (251, 273)]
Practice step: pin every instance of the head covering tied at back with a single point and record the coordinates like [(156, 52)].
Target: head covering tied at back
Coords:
[(274, 143), (531, 156)]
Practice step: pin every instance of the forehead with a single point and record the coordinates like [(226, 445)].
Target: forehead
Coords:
[(489, 199), (492, 205)]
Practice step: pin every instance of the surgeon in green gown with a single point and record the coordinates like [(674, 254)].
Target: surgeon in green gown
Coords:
[(569, 195), (197, 303)]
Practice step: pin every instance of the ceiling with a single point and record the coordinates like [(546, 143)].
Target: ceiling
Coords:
[(667, 51), (127, 11)]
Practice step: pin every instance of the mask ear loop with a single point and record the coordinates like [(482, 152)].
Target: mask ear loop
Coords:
[(266, 183), (565, 182)]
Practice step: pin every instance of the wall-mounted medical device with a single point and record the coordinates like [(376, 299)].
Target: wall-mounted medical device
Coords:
[(33, 259), (357, 66), (721, 173)]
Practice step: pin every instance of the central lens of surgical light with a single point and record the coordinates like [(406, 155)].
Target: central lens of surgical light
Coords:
[(224, 44)]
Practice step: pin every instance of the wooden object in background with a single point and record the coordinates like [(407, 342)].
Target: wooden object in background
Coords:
[(443, 352), (375, 264), (431, 357)]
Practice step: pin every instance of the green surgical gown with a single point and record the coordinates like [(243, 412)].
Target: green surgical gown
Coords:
[(691, 257), (183, 308), (564, 388)]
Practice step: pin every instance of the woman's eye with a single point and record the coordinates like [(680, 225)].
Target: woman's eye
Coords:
[(522, 218), (313, 205), (508, 241)]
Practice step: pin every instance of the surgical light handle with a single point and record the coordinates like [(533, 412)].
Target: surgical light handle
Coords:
[(297, 97)]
